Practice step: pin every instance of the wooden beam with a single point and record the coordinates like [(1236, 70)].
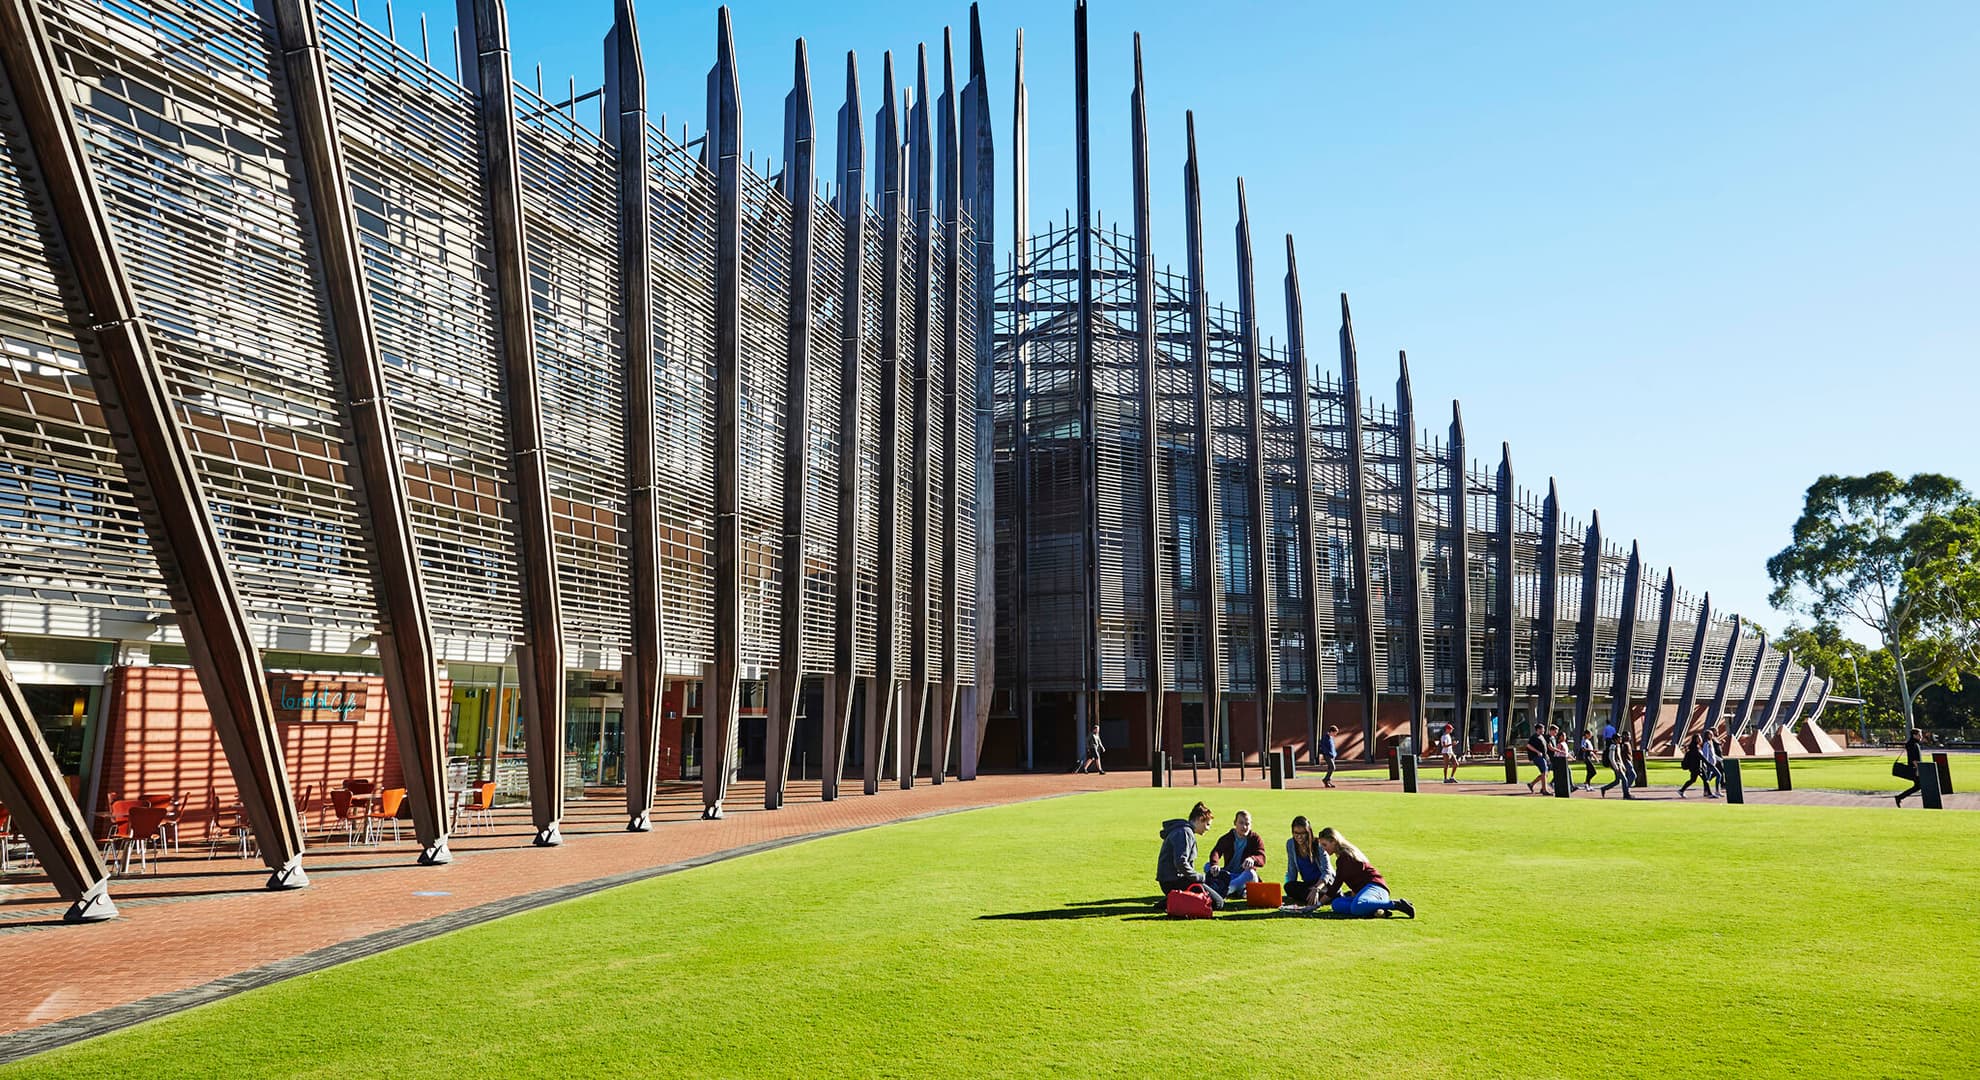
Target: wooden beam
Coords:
[(1309, 514), (485, 29), (1412, 588), (851, 152), (799, 175), (1357, 468), (1256, 489), (57, 830), (721, 699), (406, 651), (1209, 588), (1688, 697), (1156, 688), (130, 384), (645, 670)]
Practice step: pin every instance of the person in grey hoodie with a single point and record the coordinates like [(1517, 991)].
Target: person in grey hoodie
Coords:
[(1175, 868)]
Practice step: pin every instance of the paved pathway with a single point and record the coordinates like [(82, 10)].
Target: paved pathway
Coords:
[(198, 929)]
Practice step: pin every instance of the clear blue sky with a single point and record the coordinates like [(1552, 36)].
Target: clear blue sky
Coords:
[(1684, 257)]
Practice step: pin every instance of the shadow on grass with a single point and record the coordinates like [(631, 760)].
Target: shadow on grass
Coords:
[(1132, 909)]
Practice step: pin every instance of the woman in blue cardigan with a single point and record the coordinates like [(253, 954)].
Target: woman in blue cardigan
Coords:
[(1306, 865)]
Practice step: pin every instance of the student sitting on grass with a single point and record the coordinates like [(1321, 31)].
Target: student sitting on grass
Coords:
[(1306, 866), (1175, 867), (1235, 861), (1357, 889)]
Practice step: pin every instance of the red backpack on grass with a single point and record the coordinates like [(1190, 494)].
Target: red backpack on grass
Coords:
[(1191, 903)]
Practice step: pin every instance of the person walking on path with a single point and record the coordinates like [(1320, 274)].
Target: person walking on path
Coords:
[(1330, 754), (1094, 748), (1694, 760), (1616, 759), (1237, 858), (1306, 866), (1585, 753), (1357, 889), (1536, 752), (1914, 756), (1447, 746), (1708, 756), (1175, 867)]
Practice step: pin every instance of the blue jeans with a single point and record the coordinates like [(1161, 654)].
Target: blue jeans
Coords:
[(1235, 887), (1364, 904)]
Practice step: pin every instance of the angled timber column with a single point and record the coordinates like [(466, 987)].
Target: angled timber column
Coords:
[(1208, 528), (921, 598), (883, 704), (1508, 616), (1419, 681), (1821, 702), (130, 385), (948, 203), (485, 25), (1460, 495), (852, 389), (720, 700), (1660, 662), (1021, 400), (800, 170), (1546, 627), (1738, 724), (979, 186), (43, 810), (1584, 638), (1718, 713), (643, 670), (1151, 433), (1786, 723), (1089, 440), (405, 640), (1624, 668), (1688, 696), (1765, 723), (1357, 467), (1261, 578), (1309, 521)]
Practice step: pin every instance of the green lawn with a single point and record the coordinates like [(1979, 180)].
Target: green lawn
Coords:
[(1556, 939), (1867, 772)]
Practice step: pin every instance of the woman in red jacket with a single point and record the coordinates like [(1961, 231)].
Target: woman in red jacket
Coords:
[(1357, 889)]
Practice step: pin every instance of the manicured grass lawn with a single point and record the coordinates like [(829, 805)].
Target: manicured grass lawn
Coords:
[(1556, 939), (1868, 772)]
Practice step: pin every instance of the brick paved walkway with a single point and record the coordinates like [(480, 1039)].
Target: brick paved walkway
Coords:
[(198, 928)]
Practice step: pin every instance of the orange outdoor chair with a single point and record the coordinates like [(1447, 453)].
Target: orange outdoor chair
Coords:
[(389, 802), (481, 807), (350, 816), (143, 830)]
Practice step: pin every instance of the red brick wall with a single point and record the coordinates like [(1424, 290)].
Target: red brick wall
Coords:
[(161, 741)]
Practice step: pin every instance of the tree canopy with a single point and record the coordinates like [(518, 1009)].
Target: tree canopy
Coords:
[(1898, 557)]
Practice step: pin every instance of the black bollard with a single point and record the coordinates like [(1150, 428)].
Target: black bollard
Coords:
[(1945, 773), (1730, 783), (1563, 773), (1157, 768), (1395, 763), (1406, 764), (1220, 770), (1278, 773), (1292, 763), (1193, 761), (1928, 787), (1642, 770), (1783, 778), (1512, 767)]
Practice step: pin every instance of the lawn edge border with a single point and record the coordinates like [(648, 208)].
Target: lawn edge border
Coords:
[(57, 1034)]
